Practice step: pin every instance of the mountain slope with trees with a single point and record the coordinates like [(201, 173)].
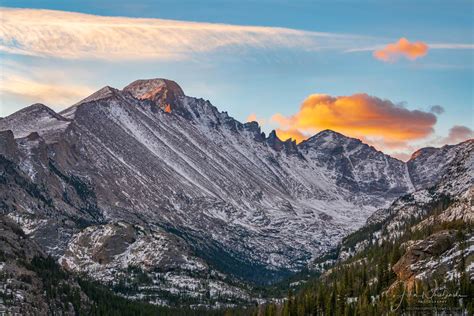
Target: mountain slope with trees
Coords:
[(161, 196)]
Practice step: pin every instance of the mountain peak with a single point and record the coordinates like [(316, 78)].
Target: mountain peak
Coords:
[(157, 90), (36, 108), (327, 137), (34, 118), (422, 152), (329, 132), (102, 93)]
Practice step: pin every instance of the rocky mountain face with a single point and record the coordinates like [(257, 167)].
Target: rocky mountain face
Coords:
[(149, 178), (415, 255), (431, 227), (397, 264)]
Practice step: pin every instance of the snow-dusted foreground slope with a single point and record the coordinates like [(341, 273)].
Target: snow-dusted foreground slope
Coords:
[(176, 171)]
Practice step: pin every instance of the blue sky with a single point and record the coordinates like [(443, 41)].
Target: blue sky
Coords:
[(270, 78)]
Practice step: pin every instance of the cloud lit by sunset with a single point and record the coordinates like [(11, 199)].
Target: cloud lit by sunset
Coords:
[(402, 48), (252, 117), (376, 121), (31, 91), (85, 36), (292, 133)]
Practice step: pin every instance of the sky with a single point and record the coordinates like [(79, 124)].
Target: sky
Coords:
[(397, 74)]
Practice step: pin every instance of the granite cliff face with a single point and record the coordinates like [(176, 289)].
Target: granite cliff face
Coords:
[(148, 177)]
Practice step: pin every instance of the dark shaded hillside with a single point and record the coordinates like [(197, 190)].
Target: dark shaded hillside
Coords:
[(32, 283)]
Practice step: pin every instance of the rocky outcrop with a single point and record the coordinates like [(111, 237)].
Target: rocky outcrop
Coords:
[(435, 258), (8, 147), (105, 250), (288, 146)]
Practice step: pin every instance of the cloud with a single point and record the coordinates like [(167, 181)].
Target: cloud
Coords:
[(75, 35), (71, 35), (292, 133), (457, 134), (453, 46), (450, 46), (376, 121), (25, 84), (437, 109), (402, 48), (252, 117), (30, 90)]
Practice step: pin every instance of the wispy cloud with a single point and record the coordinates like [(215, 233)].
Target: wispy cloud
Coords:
[(450, 46), (31, 84), (454, 46), (75, 35), (34, 91)]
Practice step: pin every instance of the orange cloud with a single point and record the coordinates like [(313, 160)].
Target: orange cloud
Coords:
[(291, 133), (402, 48), (253, 118), (375, 121)]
